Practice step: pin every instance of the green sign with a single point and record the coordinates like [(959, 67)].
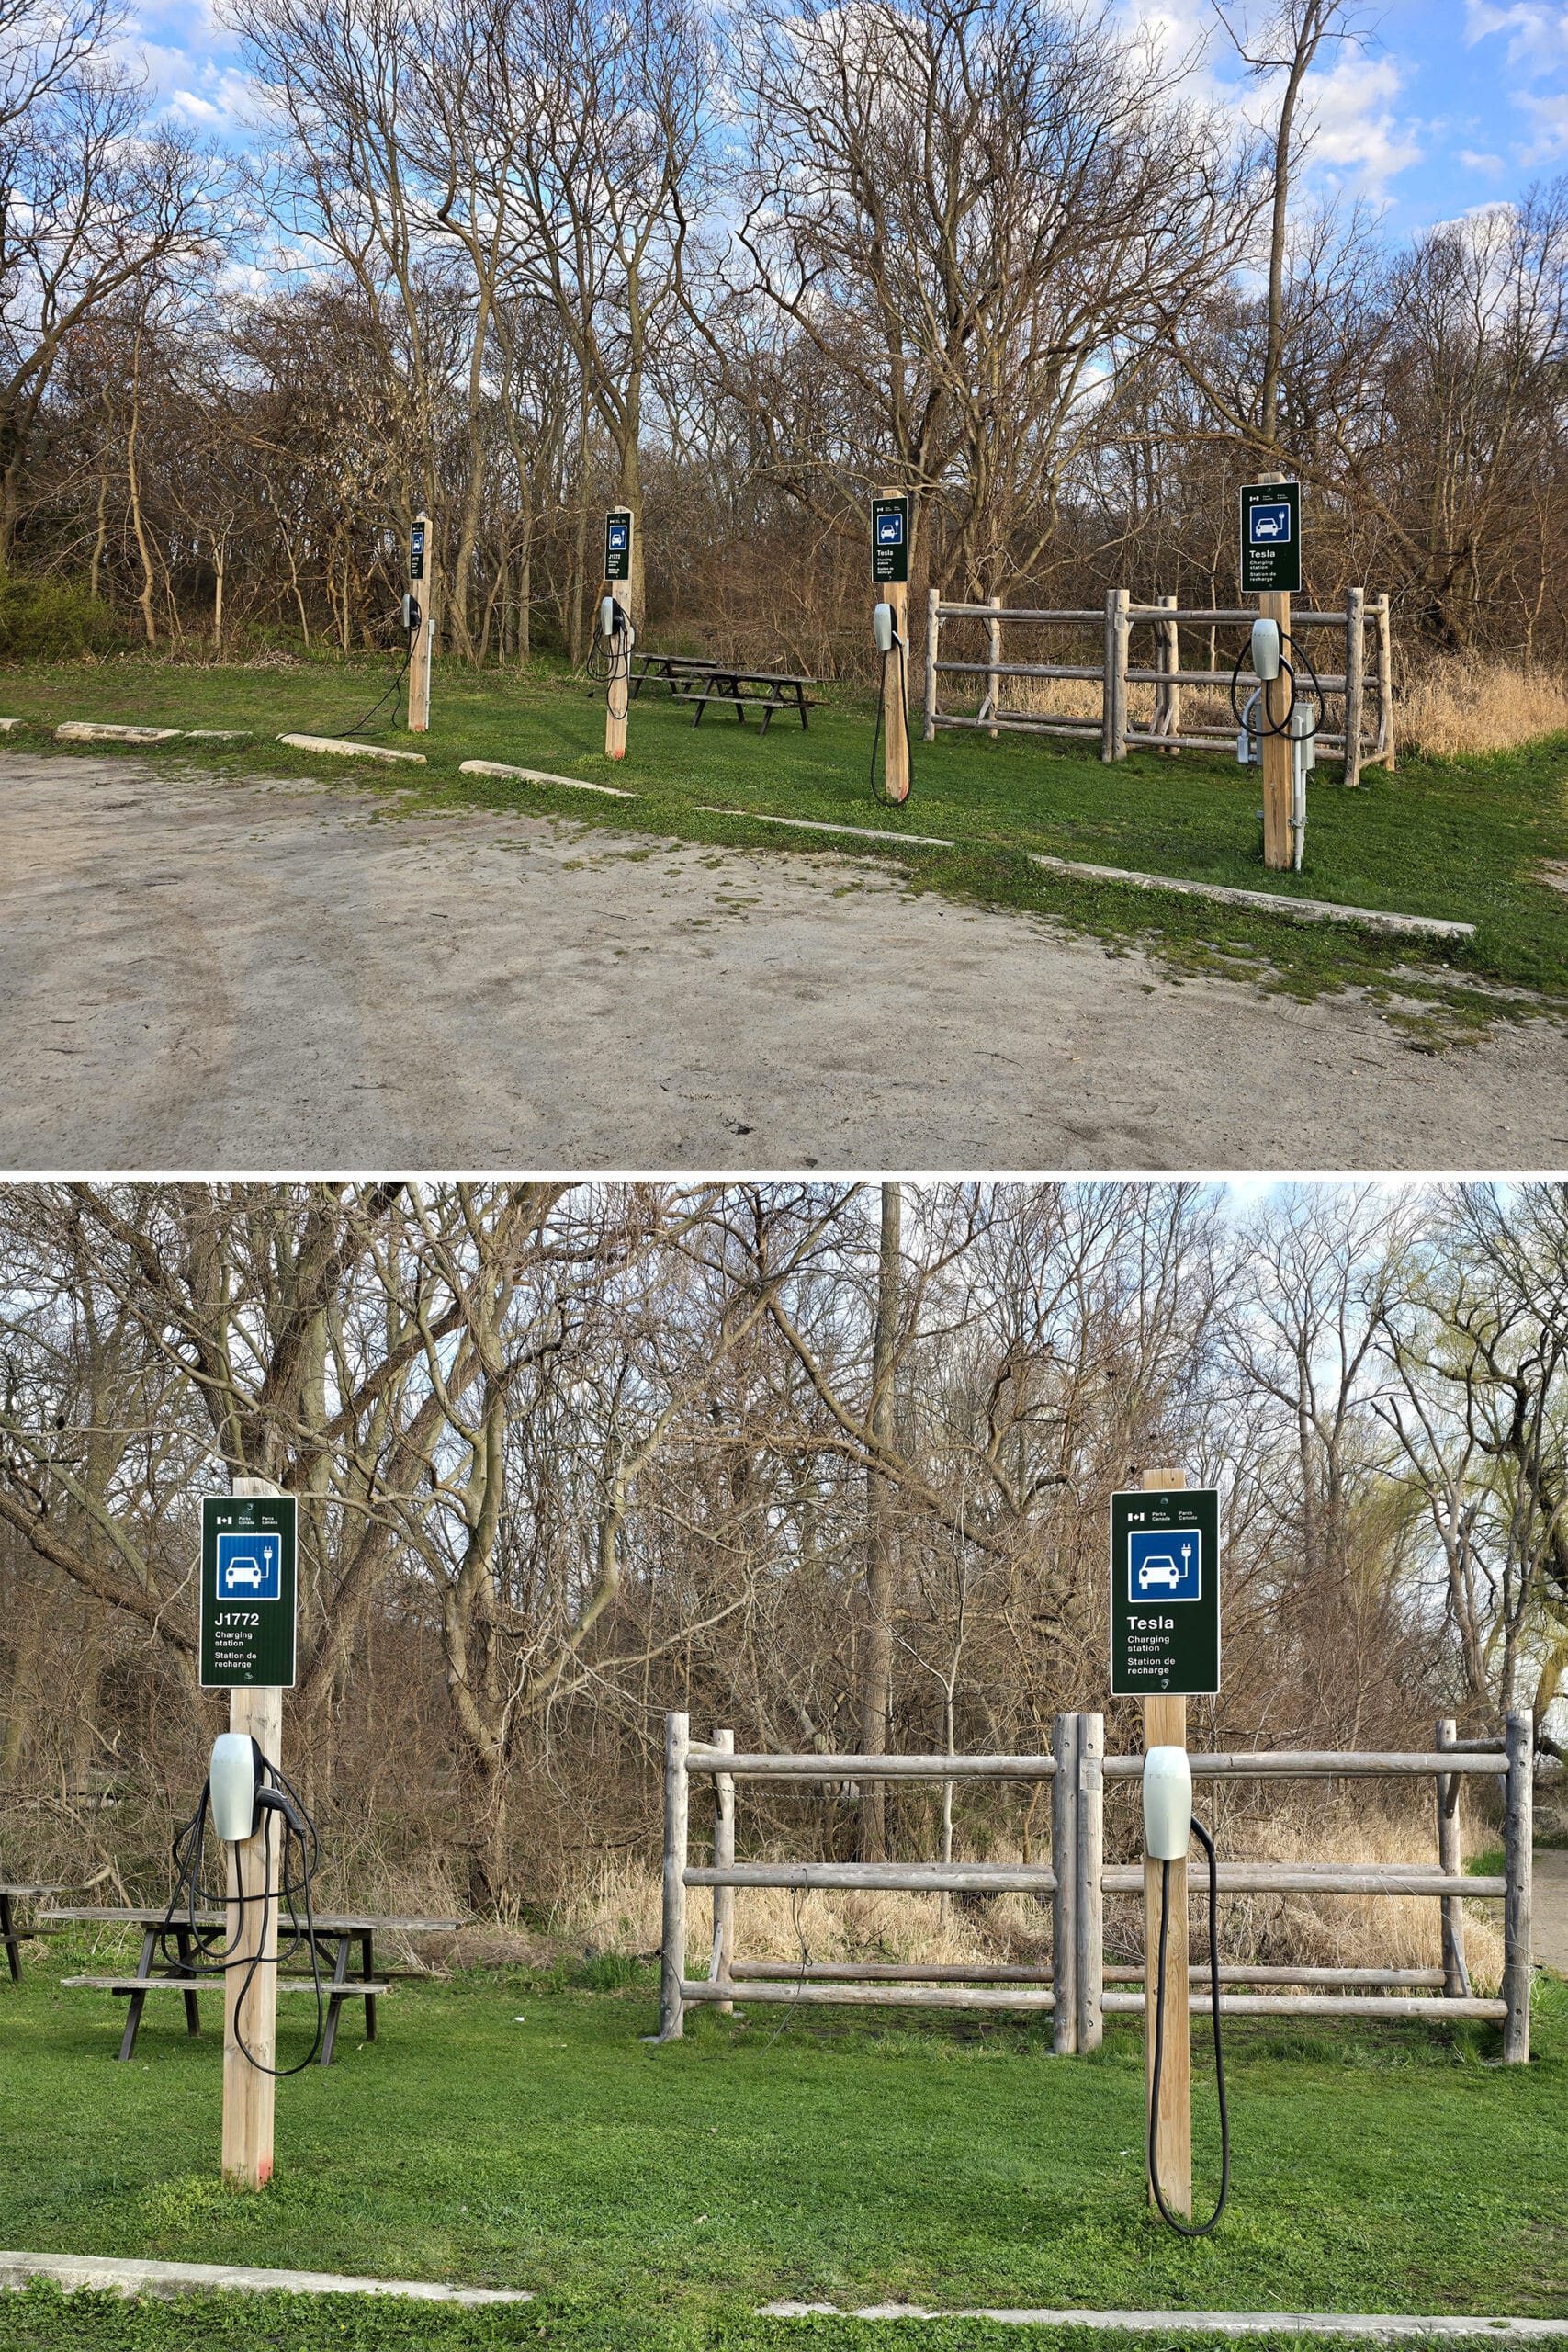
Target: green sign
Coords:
[(618, 544), (249, 1545), (1270, 538), (889, 538), (1165, 1593)]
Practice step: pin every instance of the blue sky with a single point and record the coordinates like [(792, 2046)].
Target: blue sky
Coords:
[(1452, 104)]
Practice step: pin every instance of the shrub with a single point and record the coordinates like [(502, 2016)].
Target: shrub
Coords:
[(52, 620)]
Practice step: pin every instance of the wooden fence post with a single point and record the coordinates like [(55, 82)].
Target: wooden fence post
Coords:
[(1119, 631), (933, 632), (1091, 1894), (1385, 681), (1518, 1832), (1064, 1862), (723, 1962), (1108, 682), (1168, 719), (994, 647), (1456, 1979), (1164, 1725), (677, 1740), (1355, 679)]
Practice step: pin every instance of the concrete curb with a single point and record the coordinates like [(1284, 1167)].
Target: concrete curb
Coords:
[(817, 825), (1263, 901), (348, 749), (1266, 901), (540, 775), (1381, 2326), (73, 2271), (97, 730)]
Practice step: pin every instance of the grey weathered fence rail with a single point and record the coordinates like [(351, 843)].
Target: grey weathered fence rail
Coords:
[(1359, 683), (1077, 1988)]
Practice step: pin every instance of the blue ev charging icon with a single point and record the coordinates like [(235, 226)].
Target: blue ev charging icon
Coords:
[(250, 1567), (1166, 1566), (1269, 526)]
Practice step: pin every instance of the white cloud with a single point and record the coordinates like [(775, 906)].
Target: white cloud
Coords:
[(1475, 163), (1360, 136), (1537, 35)]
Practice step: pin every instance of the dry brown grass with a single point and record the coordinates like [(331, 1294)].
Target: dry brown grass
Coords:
[(616, 1907), (1460, 706)]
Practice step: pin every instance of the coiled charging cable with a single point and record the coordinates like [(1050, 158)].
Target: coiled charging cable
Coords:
[(1190, 2229)]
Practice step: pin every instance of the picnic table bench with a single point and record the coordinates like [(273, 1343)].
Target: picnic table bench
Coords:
[(340, 1931), (702, 682), (11, 1936)]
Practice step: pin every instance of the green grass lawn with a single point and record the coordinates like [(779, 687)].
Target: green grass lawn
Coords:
[(508, 2132), (1459, 838)]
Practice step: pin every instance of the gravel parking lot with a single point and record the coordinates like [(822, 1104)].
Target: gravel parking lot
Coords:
[(252, 975)]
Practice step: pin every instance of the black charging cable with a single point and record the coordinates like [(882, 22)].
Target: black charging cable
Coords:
[(301, 1854), (1190, 2229), (1265, 725)]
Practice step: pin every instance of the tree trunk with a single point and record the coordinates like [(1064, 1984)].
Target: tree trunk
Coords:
[(877, 1702)]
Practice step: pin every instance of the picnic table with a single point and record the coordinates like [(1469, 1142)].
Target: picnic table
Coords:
[(702, 682), (341, 1932), (10, 1934)]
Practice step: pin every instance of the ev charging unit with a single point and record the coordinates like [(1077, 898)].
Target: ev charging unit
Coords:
[(616, 635), (1165, 1648), (890, 636), (419, 620), (248, 1646)]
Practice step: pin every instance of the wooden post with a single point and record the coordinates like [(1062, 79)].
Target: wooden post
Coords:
[(1170, 693), (1164, 1725), (1355, 679), (933, 632), (618, 685), (1278, 849), (1517, 1838), (1064, 1862), (1108, 682), (895, 711), (249, 2094), (1122, 598), (677, 1740), (1091, 1894), (423, 641), (723, 1962), (1456, 1979), (994, 646), (1385, 681)]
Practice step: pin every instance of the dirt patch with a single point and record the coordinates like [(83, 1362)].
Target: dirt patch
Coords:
[(245, 974)]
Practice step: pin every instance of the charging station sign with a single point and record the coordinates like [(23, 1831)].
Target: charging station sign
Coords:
[(1270, 538), (249, 1583), (889, 538), (416, 552), (618, 544), (1165, 1593)]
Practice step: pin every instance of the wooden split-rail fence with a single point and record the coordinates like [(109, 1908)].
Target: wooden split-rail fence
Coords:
[(1077, 1988), (1363, 685)]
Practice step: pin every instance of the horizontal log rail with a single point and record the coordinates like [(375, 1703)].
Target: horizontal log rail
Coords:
[(1263, 1878), (901, 1878), (897, 1996), (853, 1972), (871, 1767), (1323, 2004), (1319, 1763)]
